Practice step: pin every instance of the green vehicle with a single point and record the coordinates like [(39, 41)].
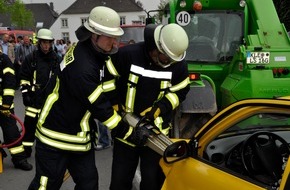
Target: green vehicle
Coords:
[(238, 49)]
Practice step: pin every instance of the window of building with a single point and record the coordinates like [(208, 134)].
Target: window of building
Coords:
[(83, 20), (142, 19), (65, 36), (64, 23), (122, 20)]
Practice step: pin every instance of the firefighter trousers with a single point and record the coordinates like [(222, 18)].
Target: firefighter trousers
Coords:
[(51, 165), (29, 136), (125, 162), (11, 134)]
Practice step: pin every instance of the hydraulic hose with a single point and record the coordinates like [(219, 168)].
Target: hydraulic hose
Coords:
[(21, 135)]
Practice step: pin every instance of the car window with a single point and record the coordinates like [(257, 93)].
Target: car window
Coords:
[(261, 122)]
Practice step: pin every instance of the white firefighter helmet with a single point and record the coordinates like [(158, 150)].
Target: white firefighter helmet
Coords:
[(104, 21), (172, 40), (44, 34)]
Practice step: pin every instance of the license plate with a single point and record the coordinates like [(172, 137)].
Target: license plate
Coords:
[(258, 57)]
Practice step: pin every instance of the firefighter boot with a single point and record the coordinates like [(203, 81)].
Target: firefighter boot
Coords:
[(23, 165), (20, 161)]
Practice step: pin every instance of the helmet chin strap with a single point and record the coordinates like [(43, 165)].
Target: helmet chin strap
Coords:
[(97, 48)]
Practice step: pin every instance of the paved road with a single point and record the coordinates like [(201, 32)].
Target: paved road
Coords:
[(15, 179)]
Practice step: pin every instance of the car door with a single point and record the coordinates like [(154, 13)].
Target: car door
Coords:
[(285, 182), (195, 174)]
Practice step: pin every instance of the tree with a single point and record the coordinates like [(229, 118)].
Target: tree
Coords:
[(3, 6), (140, 4), (164, 4), (20, 17)]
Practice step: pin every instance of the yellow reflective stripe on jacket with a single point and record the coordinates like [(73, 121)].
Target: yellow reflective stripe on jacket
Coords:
[(25, 82), (63, 145), (131, 93), (68, 57), (111, 68), (180, 85), (34, 81), (49, 102), (32, 112), (109, 85), (173, 99), (43, 183), (83, 138), (85, 122), (104, 87), (163, 86), (27, 143), (32, 109), (8, 70), (16, 150), (113, 121), (8, 92)]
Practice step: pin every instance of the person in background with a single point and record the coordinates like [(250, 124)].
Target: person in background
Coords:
[(7, 47), (5, 44), (153, 82), (20, 53), (79, 95), (59, 47), (8, 124), (68, 45), (11, 50), (36, 72), (104, 139), (64, 47), (19, 42)]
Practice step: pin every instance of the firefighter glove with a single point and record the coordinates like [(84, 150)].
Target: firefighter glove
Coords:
[(120, 130), (119, 108), (151, 113), (139, 136), (26, 99), (5, 110)]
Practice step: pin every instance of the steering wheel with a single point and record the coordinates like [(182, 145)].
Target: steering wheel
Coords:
[(263, 153)]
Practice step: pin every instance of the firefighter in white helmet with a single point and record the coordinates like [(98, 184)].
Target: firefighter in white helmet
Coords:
[(66, 123), (153, 82), (36, 71)]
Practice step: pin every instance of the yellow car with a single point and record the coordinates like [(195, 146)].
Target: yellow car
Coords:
[(245, 146)]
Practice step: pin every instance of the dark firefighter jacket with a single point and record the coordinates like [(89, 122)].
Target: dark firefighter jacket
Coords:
[(79, 96), (7, 81), (143, 84), (36, 73)]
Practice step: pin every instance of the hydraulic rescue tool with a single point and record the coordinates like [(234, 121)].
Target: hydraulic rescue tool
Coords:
[(157, 141)]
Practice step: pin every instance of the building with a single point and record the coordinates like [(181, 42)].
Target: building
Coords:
[(76, 14), (43, 13), (64, 25)]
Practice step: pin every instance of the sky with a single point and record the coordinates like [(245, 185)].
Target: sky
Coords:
[(61, 5)]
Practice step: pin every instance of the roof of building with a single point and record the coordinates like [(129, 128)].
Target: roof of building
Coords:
[(85, 6), (42, 12)]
